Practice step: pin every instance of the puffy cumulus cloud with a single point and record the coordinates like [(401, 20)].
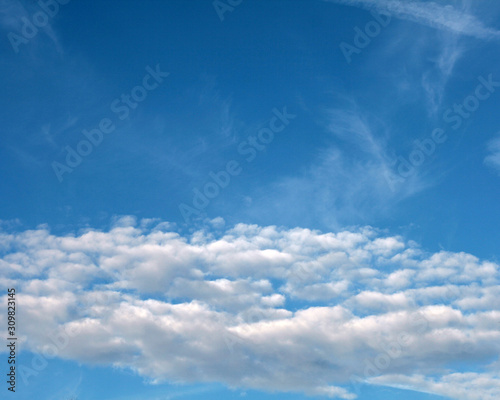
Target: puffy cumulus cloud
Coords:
[(260, 307)]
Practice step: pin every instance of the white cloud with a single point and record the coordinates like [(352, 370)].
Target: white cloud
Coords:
[(351, 179), (434, 80), (493, 158), (13, 12), (467, 386), (223, 308), (430, 13)]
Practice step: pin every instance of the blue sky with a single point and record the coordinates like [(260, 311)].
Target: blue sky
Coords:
[(252, 199)]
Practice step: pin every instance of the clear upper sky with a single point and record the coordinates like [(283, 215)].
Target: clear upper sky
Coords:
[(330, 166)]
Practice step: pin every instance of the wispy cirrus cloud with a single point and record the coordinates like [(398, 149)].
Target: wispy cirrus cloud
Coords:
[(353, 178), (493, 158), (15, 14), (430, 14), (434, 81), (470, 386)]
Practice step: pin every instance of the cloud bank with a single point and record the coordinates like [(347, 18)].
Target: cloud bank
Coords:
[(261, 307)]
